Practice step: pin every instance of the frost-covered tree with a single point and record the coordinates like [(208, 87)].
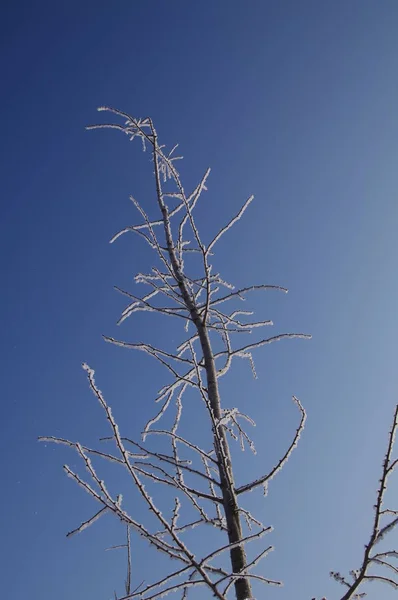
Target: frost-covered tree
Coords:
[(205, 495)]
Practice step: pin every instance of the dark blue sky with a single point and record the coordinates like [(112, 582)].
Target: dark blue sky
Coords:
[(295, 102)]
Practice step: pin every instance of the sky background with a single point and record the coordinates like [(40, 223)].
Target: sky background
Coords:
[(295, 102)]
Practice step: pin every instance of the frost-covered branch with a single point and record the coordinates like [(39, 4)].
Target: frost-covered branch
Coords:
[(266, 478)]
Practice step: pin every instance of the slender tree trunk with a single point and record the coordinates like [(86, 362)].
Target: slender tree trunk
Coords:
[(237, 554), (230, 503), (221, 446), (231, 508)]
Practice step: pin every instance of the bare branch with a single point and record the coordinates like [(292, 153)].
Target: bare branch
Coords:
[(265, 478), (229, 225), (391, 582), (186, 442), (239, 293), (248, 538), (87, 523)]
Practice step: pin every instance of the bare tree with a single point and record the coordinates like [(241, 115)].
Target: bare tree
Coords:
[(183, 286)]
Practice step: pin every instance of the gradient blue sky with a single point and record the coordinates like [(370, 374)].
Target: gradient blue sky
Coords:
[(294, 101)]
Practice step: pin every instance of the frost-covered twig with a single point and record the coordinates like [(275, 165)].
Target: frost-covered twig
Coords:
[(265, 478)]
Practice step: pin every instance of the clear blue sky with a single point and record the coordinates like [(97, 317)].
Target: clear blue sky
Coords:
[(294, 101)]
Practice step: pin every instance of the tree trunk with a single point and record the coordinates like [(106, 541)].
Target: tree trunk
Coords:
[(230, 503)]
